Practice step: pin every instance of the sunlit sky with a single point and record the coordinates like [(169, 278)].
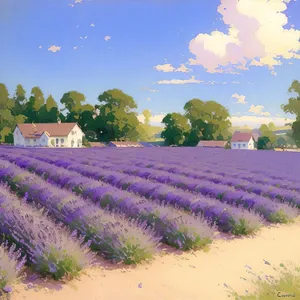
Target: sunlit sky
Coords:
[(243, 54)]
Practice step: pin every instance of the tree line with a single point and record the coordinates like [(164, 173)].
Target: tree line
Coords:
[(114, 118)]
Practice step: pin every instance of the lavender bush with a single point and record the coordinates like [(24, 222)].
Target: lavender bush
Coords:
[(49, 247), (11, 266)]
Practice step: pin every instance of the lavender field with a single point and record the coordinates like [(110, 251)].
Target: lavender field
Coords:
[(59, 208)]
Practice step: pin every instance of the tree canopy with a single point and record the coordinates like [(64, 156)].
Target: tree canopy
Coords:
[(176, 130)]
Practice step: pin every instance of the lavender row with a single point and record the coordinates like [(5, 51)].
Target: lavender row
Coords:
[(177, 229), (110, 234), (262, 177), (49, 248), (213, 169), (289, 196), (228, 218), (11, 266), (271, 210)]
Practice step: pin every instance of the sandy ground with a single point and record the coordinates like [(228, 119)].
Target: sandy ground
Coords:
[(179, 276)]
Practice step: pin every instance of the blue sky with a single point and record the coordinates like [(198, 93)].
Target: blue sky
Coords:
[(148, 49)]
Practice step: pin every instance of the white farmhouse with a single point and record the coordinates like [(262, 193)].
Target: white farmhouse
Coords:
[(48, 135), (242, 140)]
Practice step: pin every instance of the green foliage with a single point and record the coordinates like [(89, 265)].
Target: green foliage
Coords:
[(176, 130), (85, 142), (209, 121), (264, 143), (116, 121), (293, 107)]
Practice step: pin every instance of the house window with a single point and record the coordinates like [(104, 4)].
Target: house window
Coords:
[(244, 145), (239, 145), (62, 140), (72, 143)]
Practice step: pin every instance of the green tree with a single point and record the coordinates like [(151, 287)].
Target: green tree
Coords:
[(19, 100), (209, 121), (176, 129), (264, 143), (49, 112), (116, 120), (36, 101), (293, 107), (266, 130)]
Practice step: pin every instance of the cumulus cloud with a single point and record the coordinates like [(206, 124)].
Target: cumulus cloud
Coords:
[(107, 38), (256, 121), (40, 47), (75, 48), (258, 110), (183, 69), (254, 29), (92, 25), (54, 48), (169, 68), (180, 81), (72, 5), (165, 68), (77, 1), (153, 91), (240, 98)]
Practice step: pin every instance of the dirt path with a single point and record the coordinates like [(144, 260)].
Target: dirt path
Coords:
[(192, 276)]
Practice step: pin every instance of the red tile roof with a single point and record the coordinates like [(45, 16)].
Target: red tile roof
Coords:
[(218, 144), (53, 129), (97, 144), (241, 137)]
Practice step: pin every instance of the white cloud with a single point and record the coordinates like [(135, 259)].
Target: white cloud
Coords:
[(165, 68), (183, 69), (180, 81), (76, 47), (274, 73), (85, 37), (169, 68), (153, 91), (72, 5), (148, 99), (40, 47), (258, 110), (77, 1), (240, 98), (254, 29), (235, 82), (92, 25), (107, 38), (54, 48), (254, 121)]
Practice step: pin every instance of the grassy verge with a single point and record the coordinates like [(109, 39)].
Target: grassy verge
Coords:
[(286, 285)]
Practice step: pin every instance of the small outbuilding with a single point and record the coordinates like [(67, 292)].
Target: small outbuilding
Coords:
[(212, 144)]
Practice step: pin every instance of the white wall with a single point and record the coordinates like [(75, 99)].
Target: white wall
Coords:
[(18, 138), (75, 137), (243, 145)]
